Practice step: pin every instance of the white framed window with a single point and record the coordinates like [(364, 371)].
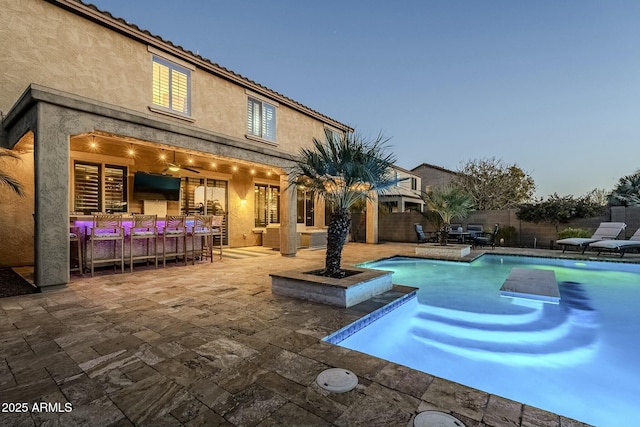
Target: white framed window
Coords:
[(332, 134), (171, 87), (267, 204), (99, 187), (261, 119), (414, 183)]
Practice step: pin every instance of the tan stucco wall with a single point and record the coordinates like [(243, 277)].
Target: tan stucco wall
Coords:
[(44, 44), (15, 212)]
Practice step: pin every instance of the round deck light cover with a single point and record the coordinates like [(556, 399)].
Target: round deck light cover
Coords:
[(436, 419), (337, 380)]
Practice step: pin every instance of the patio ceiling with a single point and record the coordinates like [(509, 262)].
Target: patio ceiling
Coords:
[(157, 157)]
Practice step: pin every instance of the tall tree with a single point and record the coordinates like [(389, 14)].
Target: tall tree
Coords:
[(494, 185), (343, 170), (7, 179), (599, 196), (627, 191)]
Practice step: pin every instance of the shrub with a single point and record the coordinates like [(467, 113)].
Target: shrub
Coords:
[(509, 234), (559, 209), (574, 232)]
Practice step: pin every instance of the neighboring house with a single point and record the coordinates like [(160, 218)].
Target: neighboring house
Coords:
[(88, 100), (405, 196), (433, 176)]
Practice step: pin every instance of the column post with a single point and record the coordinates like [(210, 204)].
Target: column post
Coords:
[(372, 218), (51, 210), (288, 218)]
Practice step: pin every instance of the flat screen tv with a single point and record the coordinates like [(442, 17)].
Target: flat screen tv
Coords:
[(147, 186)]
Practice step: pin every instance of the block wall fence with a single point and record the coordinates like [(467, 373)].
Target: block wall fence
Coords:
[(398, 227)]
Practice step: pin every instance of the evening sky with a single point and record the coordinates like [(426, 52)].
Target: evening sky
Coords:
[(552, 86)]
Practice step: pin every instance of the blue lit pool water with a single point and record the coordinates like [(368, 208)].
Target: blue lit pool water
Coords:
[(579, 358)]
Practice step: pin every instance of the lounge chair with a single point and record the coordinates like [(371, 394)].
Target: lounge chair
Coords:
[(487, 240), (606, 231), (620, 246)]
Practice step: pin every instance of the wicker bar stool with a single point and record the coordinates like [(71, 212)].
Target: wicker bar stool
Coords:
[(175, 227), (107, 227), (216, 231), (202, 229), (144, 227), (75, 237)]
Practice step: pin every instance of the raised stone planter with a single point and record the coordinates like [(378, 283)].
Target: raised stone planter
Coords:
[(344, 292), (448, 251)]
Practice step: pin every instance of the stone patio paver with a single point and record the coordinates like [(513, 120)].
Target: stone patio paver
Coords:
[(210, 345)]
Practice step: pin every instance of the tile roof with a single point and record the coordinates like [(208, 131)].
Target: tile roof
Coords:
[(105, 18)]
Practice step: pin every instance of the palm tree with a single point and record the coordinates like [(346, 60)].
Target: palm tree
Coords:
[(448, 202), (343, 170), (8, 180), (627, 191)]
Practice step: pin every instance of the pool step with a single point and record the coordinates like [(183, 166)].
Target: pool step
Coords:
[(577, 346), (532, 284), (524, 337), (544, 329), (521, 316)]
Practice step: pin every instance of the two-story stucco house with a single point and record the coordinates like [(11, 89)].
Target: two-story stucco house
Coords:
[(406, 195), (432, 176), (89, 101)]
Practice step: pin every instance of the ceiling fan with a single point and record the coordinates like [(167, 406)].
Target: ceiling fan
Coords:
[(176, 167)]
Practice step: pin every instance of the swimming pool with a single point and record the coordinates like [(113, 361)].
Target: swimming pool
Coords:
[(578, 358)]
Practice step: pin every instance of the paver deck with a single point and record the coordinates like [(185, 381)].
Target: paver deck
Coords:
[(210, 345)]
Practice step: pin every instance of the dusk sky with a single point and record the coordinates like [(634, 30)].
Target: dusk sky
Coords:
[(552, 86)]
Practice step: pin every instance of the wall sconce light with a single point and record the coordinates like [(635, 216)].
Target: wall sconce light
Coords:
[(243, 202)]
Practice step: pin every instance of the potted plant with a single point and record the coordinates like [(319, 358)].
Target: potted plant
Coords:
[(448, 203), (344, 171)]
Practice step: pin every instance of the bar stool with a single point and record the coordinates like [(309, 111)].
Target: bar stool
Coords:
[(144, 227), (74, 236), (202, 228), (107, 227), (216, 231), (175, 227)]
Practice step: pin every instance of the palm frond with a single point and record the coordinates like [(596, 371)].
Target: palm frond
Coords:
[(449, 202), (346, 169), (8, 180)]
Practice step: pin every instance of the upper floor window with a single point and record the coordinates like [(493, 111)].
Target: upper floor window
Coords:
[(331, 134), (171, 86), (414, 183), (261, 119)]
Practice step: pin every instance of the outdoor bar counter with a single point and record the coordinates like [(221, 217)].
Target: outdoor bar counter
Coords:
[(104, 249)]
